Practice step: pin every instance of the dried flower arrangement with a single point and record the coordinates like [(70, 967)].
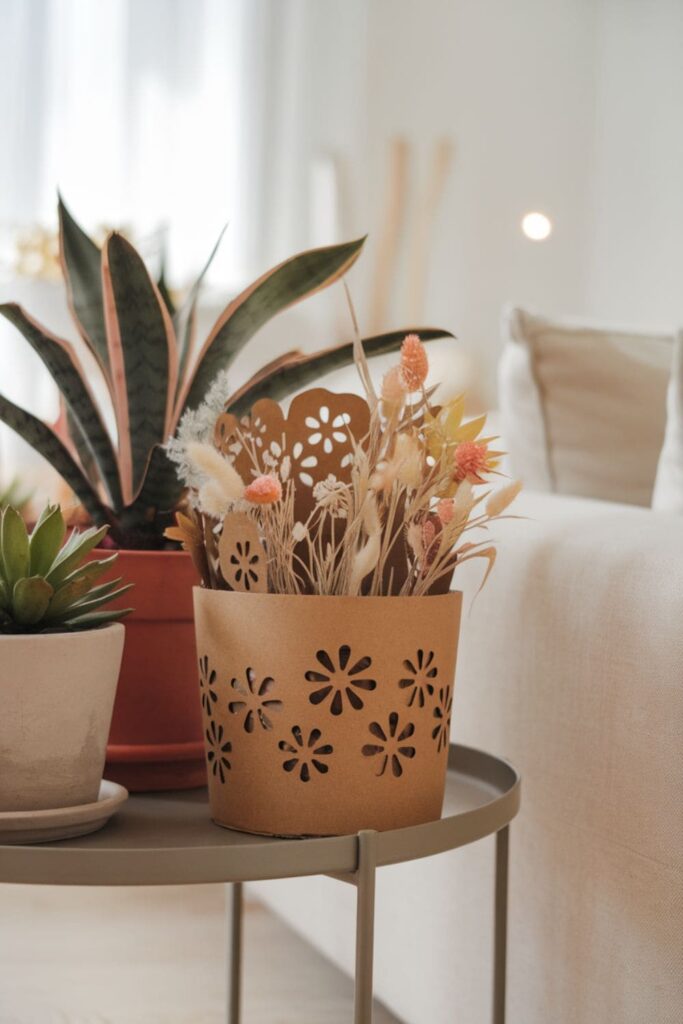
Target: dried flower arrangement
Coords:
[(342, 496)]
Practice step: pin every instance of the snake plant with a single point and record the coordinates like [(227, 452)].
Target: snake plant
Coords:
[(46, 585), (144, 348)]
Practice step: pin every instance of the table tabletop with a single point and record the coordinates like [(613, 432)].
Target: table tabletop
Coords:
[(169, 838)]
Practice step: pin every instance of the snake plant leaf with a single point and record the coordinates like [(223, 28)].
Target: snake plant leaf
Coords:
[(164, 291), (73, 553), (283, 286), (30, 600), (43, 439), (81, 260), (185, 318), (64, 366), (142, 355), (288, 375), (4, 596), (161, 488), (46, 540)]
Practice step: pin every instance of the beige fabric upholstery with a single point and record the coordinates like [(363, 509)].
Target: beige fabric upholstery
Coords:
[(668, 493), (571, 665), (583, 408)]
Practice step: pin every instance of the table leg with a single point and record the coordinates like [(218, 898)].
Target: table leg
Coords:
[(500, 928), (234, 950), (365, 926)]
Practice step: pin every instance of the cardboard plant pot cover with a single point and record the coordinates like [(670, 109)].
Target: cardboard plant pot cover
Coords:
[(325, 715)]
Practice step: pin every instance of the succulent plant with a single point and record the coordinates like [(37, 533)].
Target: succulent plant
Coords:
[(144, 348), (46, 584)]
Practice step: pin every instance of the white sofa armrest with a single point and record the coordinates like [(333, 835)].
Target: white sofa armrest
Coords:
[(571, 665)]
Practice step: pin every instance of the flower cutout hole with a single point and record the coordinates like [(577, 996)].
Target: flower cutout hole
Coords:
[(217, 750), (254, 701), (340, 679), (305, 757), (390, 745), (421, 671), (441, 731), (207, 681)]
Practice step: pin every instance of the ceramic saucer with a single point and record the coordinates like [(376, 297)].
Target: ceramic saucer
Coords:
[(19, 827)]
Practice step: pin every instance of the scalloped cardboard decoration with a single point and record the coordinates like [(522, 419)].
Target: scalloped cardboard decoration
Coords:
[(241, 556), (317, 436), (342, 716)]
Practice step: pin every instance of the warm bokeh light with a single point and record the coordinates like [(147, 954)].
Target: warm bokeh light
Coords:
[(536, 226)]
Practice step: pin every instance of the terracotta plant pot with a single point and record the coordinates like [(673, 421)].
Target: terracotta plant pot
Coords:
[(325, 715), (57, 697), (156, 734)]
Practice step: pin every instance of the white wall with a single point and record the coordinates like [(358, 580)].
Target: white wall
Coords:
[(636, 258), (514, 85)]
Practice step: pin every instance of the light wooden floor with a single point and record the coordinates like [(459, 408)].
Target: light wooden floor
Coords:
[(154, 956)]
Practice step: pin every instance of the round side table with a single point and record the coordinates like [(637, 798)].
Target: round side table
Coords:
[(169, 839)]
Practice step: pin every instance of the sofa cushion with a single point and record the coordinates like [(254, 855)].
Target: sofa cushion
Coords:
[(668, 493), (583, 408)]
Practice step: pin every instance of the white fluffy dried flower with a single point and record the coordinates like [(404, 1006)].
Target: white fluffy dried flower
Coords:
[(332, 495)]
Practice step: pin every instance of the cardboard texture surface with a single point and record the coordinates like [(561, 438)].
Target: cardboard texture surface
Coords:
[(325, 715)]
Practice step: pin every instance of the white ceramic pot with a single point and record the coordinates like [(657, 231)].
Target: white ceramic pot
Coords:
[(56, 699)]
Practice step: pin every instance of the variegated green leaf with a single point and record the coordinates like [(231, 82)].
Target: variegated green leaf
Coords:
[(81, 264), (142, 355), (184, 320), (63, 365), (46, 443), (303, 369), (279, 288)]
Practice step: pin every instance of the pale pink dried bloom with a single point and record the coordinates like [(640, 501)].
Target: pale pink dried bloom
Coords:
[(445, 510), (414, 363), (264, 490), (393, 387)]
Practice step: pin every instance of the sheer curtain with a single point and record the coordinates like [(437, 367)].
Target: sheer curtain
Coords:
[(171, 118)]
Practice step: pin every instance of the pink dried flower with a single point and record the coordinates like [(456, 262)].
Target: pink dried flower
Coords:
[(414, 363), (264, 490), (445, 510), (470, 460), (431, 528)]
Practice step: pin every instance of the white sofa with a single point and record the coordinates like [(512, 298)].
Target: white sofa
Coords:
[(571, 665)]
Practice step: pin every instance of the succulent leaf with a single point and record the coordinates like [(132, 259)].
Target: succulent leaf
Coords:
[(93, 620), (85, 607), (277, 289), (30, 599), (74, 552), (14, 546), (61, 594), (46, 540), (142, 355)]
